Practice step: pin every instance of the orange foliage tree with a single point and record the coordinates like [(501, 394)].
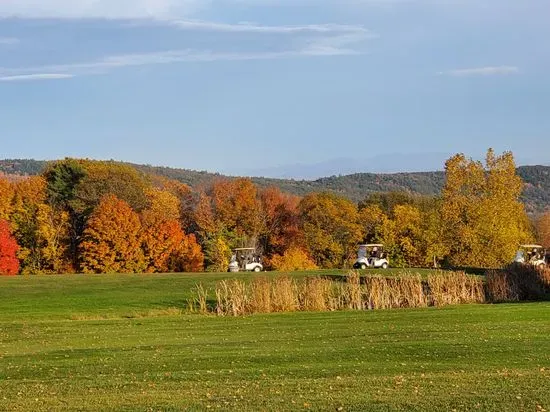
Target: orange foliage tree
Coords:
[(165, 244), (280, 224), (9, 264), (183, 193), (187, 257), (236, 207), (229, 215), (112, 239), (168, 249)]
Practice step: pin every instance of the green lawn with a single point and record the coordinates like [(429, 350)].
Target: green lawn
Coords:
[(74, 296), (112, 343)]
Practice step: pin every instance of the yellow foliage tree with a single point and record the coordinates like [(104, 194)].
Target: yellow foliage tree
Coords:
[(218, 254), (434, 246), (331, 229), (483, 217), (293, 259), (161, 206), (41, 231), (408, 224), (412, 236), (6, 198), (112, 239)]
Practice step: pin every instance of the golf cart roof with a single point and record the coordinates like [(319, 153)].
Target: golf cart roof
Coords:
[(244, 248), (531, 246), (372, 245)]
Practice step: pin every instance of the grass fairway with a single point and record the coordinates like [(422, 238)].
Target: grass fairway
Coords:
[(110, 343)]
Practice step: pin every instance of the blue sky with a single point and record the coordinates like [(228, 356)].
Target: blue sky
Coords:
[(235, 85)]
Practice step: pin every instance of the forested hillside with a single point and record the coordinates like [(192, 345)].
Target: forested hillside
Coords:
[(536, 194)]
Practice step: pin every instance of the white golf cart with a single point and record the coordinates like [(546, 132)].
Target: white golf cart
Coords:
[(533, 255), (246, 260), (371, 256)]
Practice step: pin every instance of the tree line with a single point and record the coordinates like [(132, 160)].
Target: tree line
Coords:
[(107, 217)]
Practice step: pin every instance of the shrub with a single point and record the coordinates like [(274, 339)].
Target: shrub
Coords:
[(293, 259)]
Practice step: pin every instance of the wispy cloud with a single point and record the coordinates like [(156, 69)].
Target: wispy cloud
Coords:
[(106, 64), (482, 71), (8, 41), (151, 9), (295, 40), (246, 27), (102, 9), (37, 76)]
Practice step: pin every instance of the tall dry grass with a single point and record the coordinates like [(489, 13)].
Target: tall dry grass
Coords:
[(353, 294), (198, 303), (285, 294), (315, 295), (232, 298), (454, 288), (260, 295), (398, 292), (518, 282)]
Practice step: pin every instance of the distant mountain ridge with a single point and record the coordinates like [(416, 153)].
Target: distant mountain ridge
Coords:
[(386, 164), (536, 194)]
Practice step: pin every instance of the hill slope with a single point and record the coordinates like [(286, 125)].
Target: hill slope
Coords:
[(536, 194)]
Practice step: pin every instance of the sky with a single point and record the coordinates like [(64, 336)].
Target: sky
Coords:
[(245, 86)]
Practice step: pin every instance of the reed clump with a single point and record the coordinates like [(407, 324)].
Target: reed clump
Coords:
[(399, 292), (285, 294), (454, 288), (518, 282)]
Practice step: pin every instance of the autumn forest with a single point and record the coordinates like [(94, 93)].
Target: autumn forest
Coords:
[(85, 216)]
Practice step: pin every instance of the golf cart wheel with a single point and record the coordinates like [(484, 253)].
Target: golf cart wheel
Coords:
[(363, 266), (384, 266), (257, 269)]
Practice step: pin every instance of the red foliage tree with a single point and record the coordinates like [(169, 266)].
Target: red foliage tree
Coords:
[(9, 264)]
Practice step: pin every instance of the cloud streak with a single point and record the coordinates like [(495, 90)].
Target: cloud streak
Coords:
[(301, 40), (247, 27), (109, 63), (34, 77), (482, 71), (147, 9), (97, 9)]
